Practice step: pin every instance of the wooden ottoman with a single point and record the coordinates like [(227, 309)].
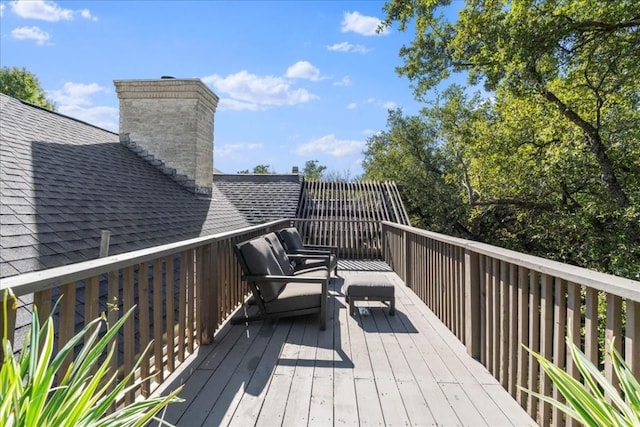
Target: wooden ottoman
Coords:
[(369, 288)]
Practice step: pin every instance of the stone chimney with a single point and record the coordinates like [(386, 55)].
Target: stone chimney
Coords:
[(170, 122)]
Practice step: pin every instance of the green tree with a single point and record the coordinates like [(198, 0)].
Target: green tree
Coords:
[(552, 166), (258, 170), (313, 171), (22, 84), (340, 176), (580, 56), (410, 153)]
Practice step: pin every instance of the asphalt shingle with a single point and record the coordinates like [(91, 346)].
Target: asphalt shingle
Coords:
[(261, 198), (62, 181)]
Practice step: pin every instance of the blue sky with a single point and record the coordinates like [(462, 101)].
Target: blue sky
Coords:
[(298, 80)]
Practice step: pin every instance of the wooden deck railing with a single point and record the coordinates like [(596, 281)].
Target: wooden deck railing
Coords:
[(183, 292), (494, 300)]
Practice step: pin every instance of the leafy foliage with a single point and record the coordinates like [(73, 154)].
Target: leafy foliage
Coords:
[(313, 171), (259, 170), (596, 402), (549, 161), (86, 390), (407, 154), (22, 84)]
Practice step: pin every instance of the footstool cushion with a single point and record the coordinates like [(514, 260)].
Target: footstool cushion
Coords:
[(369, 288)]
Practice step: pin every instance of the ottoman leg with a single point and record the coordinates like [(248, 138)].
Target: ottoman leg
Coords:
[(392, 306), (351, 307)]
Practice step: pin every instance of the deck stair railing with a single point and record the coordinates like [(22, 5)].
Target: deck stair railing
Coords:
[(495, 299)]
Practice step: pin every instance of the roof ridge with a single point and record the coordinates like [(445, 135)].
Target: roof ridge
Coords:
[(57, 113), (160, 165)]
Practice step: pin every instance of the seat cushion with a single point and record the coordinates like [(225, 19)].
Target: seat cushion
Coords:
[(314, 262), (297, 296), (369, 286)]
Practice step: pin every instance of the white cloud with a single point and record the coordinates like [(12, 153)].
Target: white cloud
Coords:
[(74, 99), (76, 93), (229, 150), (361, 24), (86, 14), (387, 105), (104, 117), (249, 91), (42, 10), (330, 145), (348, 47), (346, 81), (227, 104), (45, 10), (352, 106), (1, 10), (31, 33), (304, 70)]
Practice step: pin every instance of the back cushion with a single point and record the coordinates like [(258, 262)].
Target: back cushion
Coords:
[(291, 239), (280, 254), (261, 261)]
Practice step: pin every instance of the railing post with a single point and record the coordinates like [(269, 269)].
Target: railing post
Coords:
[(408, 259), (208, 304), (472, 303), (10, 326), (383, 243), (632, 337)]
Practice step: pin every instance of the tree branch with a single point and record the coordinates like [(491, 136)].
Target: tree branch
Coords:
[(594, 141), (512, 201)]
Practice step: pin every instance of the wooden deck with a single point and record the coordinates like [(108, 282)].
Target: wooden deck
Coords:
[(371, 369)]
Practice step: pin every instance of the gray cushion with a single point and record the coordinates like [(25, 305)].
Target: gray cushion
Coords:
[(369, 286), (314, 262), (291, 238), (261, 261), (293, 243), (280, 254), (297, 296)]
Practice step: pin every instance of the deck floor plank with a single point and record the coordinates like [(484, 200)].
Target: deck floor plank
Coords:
[(201, 406), (224, 407), (366, 369), (393, 408), (255, 391), (440, 409), (321, 405), (299, 400), (344, 389), (275, 402)]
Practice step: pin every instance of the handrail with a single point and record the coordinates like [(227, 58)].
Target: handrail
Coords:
[(620, 286), (27, 283)]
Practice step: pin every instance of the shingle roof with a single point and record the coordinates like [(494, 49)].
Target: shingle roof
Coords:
[(261, 198), (62, 181)]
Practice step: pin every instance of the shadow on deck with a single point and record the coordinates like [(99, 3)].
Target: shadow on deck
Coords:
[(369, 369)]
